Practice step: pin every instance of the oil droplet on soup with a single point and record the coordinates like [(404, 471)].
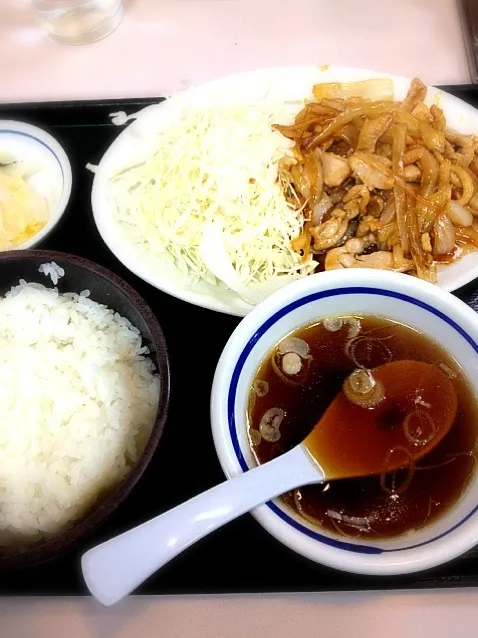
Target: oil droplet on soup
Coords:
[(299, 379)]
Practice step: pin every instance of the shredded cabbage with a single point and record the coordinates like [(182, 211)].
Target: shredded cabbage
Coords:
[(209, 196)]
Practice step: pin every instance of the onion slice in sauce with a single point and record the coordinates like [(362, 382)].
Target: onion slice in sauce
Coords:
[(408, 465), (261, 388), (270, 424), (368, 345), (255, 437), (333, 324), (293, 344), (362, 389), (419, 427)]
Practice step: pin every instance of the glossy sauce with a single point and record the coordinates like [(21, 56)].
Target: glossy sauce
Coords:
[(415, 408), (378, 506)]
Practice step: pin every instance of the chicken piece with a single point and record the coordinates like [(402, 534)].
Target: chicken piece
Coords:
[(373, 170), (416, 94), (465, 145), (422, 112), (368, 224), (457, 139), (358, 192), (462, 159), (338, 257), (338, 193), (350, 256), (375, 206), (336, 169), (433, 138), (353, 208), (332, 232), (381, 259)]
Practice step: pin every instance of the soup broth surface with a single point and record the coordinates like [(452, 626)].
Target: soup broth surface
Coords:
[(378, 506)]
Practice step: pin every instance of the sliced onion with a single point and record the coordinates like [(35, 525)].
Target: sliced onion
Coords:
[(252, 401), (444, 236), (354, 327), (419, 427), (370, 343), (261, 388), (353, 521), (255, 437), (333, 324), (320, 209), (337, 516), (291, 364), (362, 381), (293, 344), (362, 389), (473, 205), (276, 363), (270, 424), (297, 500), (356, 521), (360, 523), (409, 465), (388, 213), (436, 466), (459, 215)]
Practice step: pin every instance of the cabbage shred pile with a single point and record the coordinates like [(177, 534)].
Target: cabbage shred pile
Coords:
[(209, 196)]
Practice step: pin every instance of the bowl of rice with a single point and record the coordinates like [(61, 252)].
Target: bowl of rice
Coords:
[(84, 392)]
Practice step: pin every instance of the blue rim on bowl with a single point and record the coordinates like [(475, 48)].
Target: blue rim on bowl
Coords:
[(423, 306)]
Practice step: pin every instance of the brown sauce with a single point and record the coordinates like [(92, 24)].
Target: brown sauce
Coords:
[(379, 506)]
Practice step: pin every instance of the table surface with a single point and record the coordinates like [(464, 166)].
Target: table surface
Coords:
[(163, 46)]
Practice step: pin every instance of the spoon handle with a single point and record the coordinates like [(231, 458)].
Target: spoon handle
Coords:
[(115, 568)]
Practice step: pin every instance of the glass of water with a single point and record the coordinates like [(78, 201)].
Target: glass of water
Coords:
[(79, 21)]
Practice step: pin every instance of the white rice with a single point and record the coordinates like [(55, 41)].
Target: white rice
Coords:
[(78, 398), (52, 270)]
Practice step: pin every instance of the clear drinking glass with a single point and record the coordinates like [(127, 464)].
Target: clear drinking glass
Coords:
[(79, 21)]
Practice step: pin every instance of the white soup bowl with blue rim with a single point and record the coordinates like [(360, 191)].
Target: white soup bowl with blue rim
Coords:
[(50, 176), (398, 297)]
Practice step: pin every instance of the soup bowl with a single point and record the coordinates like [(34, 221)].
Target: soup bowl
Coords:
[(401, 298)]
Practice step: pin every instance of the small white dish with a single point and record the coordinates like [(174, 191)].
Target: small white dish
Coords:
[(408, 300), (291, 85), (52, 177)]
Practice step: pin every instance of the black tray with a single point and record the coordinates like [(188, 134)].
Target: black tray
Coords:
[(241, 557)]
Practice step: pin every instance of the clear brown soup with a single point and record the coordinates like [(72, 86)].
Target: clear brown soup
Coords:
[(379, 506)]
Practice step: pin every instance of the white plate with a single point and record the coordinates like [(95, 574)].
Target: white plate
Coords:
[(52, 179), (289, 84)]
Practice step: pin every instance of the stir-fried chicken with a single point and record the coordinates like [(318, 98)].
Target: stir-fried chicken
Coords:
[(380, 183)]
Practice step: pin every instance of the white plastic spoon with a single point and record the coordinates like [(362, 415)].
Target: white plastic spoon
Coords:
[(115, 568)]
